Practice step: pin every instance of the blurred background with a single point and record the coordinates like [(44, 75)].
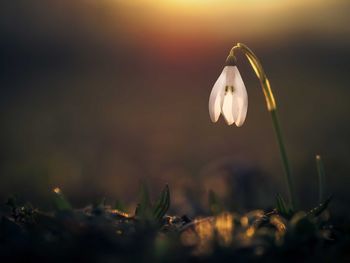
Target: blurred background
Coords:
[(98, 95)]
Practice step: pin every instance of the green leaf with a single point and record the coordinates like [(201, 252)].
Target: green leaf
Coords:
[(60, 202), (279, 204), (162, 205), (282, 207), (144, 208), (316, 211), (215, 205), (146, 212), (119, 205), (321, 178)]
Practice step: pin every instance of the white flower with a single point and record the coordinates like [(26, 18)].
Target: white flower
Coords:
[(229, 97)]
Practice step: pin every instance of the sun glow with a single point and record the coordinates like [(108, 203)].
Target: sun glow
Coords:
[(219, 17), (230, 6)]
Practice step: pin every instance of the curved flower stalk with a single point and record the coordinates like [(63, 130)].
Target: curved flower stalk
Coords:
[(229, 97)]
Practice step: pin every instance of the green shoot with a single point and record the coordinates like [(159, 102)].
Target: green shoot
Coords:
[(283, 208), (320, 208), (60, 201), (215, 205), (321, 179), (162, 205)]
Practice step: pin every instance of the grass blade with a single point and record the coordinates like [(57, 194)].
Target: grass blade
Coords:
[(215, 205), (144, 208), (321, 178), (320, 208), (282, 207), (162, 204), (120, 206), (60, 201)]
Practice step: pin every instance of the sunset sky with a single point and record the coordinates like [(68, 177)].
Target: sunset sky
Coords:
[(98, 94), (226, 18)]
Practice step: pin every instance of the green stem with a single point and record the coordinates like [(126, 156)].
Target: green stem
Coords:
[(284, 157), (272, 108), (321, 178)]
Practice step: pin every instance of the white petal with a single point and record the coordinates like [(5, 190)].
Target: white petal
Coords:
[(235, 107), (216, 97), (240, 98), (227, 108), (242, 104), (230, 75)]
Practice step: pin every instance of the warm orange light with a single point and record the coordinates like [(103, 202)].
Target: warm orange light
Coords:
[(205, 231), (250, 232), (224, 227), (244, 221), (279, 223), (222, 17), (57, 190)]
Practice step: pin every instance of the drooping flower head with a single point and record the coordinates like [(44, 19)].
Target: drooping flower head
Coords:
[(229, 95)]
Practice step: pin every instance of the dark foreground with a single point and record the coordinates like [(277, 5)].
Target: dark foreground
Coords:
[(102, 234)]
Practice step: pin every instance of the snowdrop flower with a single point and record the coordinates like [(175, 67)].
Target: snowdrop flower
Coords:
[(229, 95)]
